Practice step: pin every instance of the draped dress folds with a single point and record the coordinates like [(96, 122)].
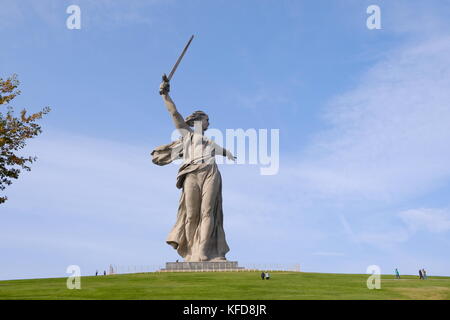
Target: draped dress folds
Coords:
[(201, 199)]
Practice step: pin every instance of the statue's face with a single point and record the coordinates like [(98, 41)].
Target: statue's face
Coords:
[(205, 123)]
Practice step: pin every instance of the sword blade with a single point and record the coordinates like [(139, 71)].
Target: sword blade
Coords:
[(179, 59)]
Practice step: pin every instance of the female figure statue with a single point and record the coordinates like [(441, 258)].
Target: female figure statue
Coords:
[(198, 233)]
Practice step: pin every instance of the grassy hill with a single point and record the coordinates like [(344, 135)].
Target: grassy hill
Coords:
[(228, 285)]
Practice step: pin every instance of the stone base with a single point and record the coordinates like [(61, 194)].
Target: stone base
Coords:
[(202, 266)]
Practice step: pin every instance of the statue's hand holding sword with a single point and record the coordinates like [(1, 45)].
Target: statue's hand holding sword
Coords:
[(164, 87)]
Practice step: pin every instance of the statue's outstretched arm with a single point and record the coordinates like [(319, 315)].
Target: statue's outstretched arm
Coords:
[(222, 151)]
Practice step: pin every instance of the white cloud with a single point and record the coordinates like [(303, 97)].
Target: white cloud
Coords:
[(384, 239), (381, 237), (348, 229), (433, 220), (388, 138), (83, 176)]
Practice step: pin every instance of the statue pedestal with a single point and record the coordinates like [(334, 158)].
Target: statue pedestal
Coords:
[(202, 266)]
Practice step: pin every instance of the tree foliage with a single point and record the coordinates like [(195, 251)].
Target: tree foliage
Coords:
[(14, 132)]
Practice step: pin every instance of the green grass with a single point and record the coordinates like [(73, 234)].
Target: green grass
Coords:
[(228, 285)]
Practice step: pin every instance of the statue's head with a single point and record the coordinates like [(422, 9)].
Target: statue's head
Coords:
[(198, 116)]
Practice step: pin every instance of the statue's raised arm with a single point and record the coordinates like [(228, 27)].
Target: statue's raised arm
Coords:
[(178, 120)]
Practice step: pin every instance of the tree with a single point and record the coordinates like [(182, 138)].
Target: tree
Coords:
[(14, 132)]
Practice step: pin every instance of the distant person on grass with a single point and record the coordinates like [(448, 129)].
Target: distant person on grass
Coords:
[(267, 276), (397, 274), (424, 274), (420, 275), (263, 275)]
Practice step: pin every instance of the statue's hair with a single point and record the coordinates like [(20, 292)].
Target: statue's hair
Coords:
[(196, 116)]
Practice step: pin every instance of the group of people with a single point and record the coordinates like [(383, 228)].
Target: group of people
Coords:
[(265, 276), (96, 272), (422, 274)]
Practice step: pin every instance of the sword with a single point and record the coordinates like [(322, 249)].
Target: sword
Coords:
[(167, 78)]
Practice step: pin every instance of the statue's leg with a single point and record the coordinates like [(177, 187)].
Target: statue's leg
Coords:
[(210, 192), (193, 200)]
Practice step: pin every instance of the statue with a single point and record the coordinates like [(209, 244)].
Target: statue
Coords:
[(198, 233)]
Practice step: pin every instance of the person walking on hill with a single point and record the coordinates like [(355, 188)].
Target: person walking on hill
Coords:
[(262, 275), (397, 274), (420, 274)]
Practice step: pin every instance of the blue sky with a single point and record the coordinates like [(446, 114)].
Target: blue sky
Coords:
[(363, 116)]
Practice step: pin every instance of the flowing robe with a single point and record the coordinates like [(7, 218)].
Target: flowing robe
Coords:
[(201, 198)]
